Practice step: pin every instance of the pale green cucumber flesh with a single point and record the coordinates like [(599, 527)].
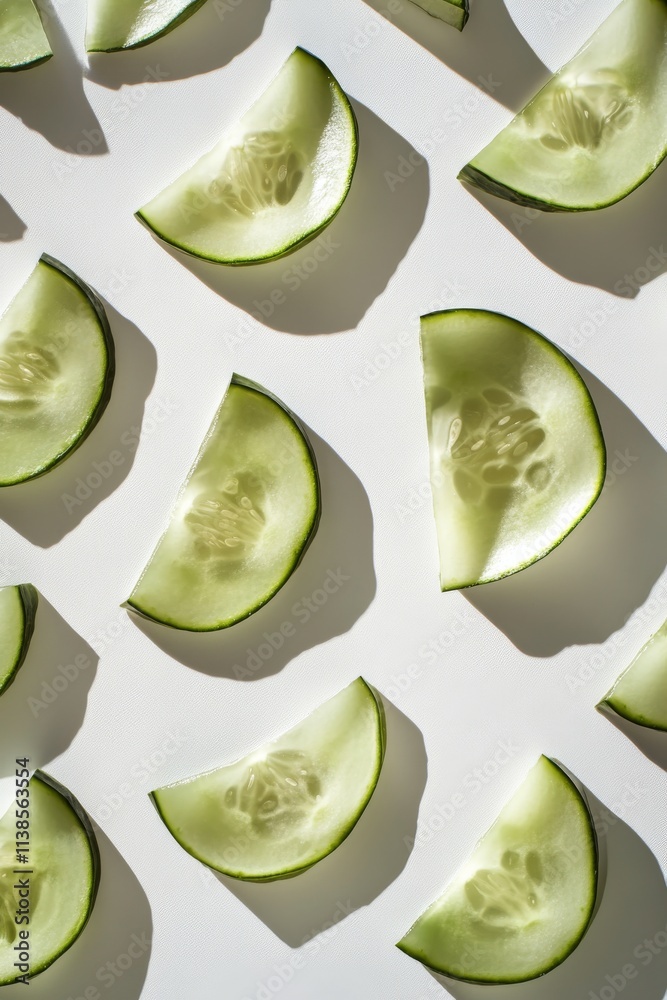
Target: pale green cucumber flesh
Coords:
[(454, 12), (640, 693), (277, 177), (524, 899), (242, 521), (17, 621), (23, 41), (517, 456), (113, 25), (596, 130), (289, 803), (56, 371), (63, 873)]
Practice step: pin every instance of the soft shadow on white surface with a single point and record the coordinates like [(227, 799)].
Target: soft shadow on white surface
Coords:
[(120, 927), (372, 857), (50, 98), (209, 39), (651, 742), (37, 719), (587, 587), (341, 554), (491, 52), (633, 909), (12, 226), (46, 509), (356, 255), (618, 249)]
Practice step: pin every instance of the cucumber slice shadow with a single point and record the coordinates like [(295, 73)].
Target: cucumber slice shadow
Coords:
[(356, 872), (121, 919), (12, 226), (651, 742), (46, 509), (490, 52), (199, 44), (358, 252), (591, 583), (50, 98), (618, 249), (633, 908), (327, 593), (39, 718)]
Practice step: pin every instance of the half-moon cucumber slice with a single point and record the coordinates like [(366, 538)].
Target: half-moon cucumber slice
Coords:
[(640, 693), (23, 41), (242, 522), (128, 24), (56, 371), (274, 181), (596, 130), (291, 802), (524, 899), (454, 12), (57, 885), (517, 454), (18, 606)]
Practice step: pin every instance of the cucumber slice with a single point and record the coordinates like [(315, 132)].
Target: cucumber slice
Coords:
[(454, 12), (517, 454), (596, 130), (290, 803), (56, 371), (63, 871), (640, 693), (242, 522), (17, 622), (524, 899), (274, 181), (23, 41), (128, 24)]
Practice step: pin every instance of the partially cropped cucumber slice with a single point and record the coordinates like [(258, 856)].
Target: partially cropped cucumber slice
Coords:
[(128, 24), (596, 130), (56, 371), (17, 622), (275, 179), (23, 41), (57, 885), (242, 522), (517, 454), (291, 802), (524, 899), (454, 12), (640, 693)]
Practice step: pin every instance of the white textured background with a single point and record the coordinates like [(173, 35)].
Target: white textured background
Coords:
[(522, 661)]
